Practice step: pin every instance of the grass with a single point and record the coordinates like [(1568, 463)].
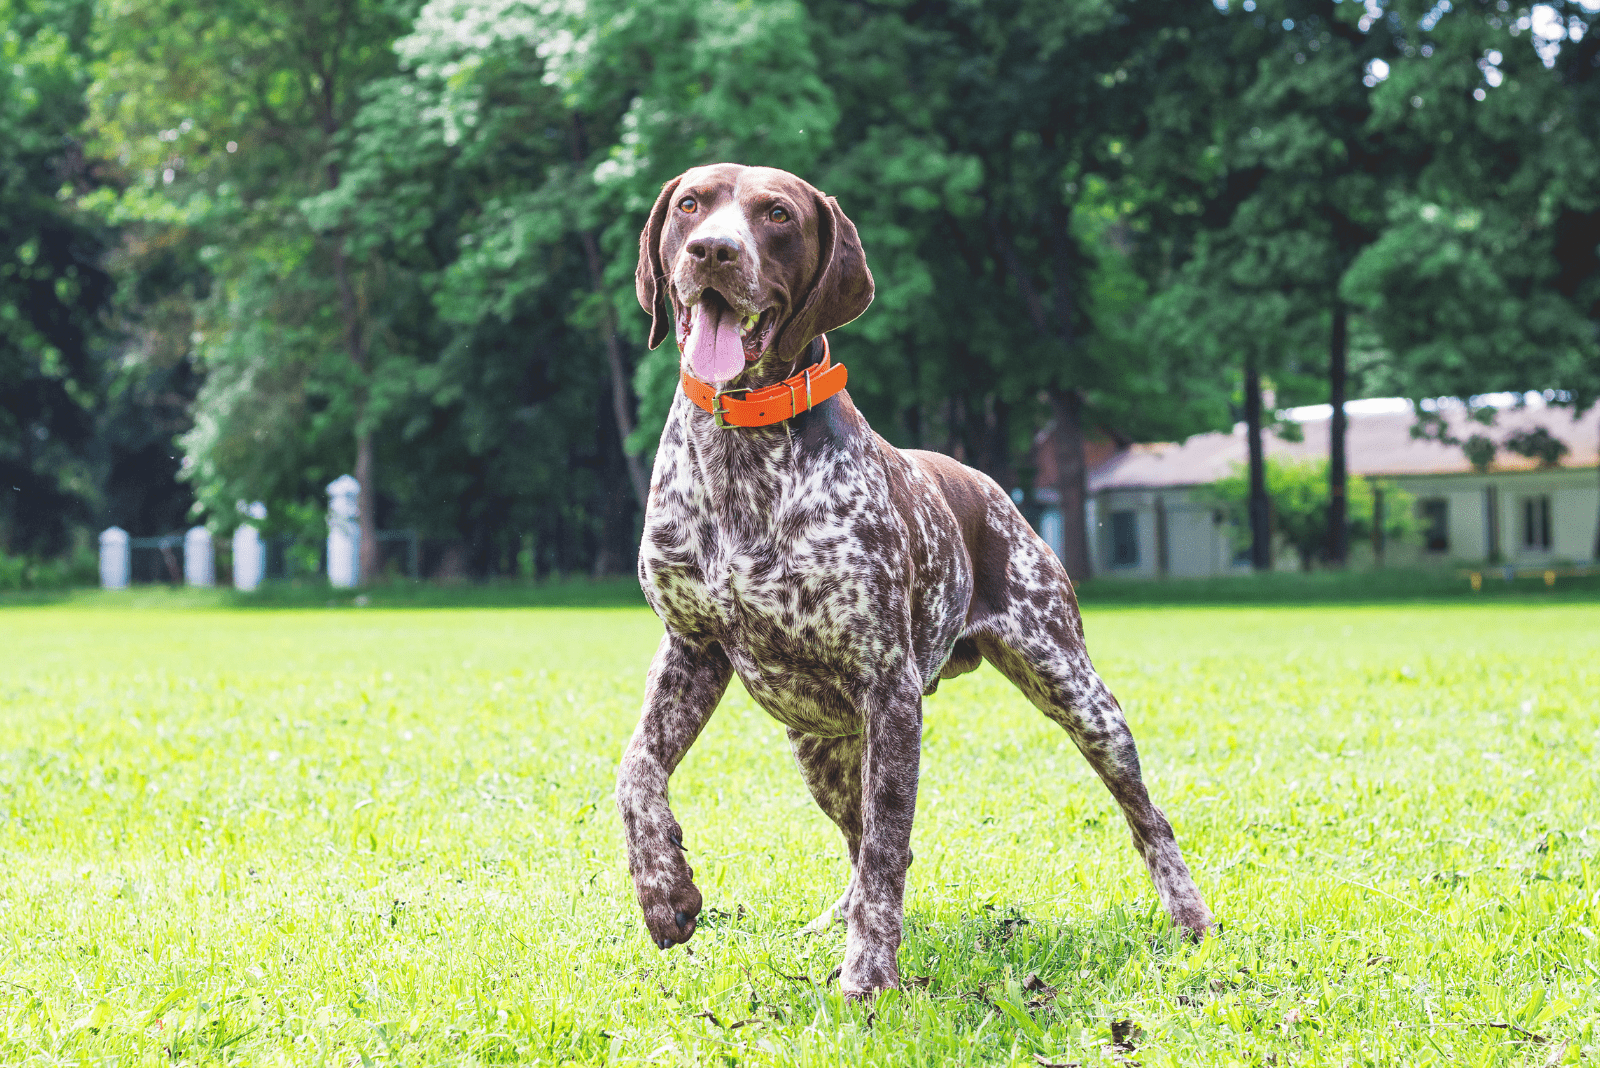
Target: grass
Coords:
[(1390, 586), (384, 837)]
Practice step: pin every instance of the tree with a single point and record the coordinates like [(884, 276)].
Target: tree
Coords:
[(52, 286), (226, 116), (981, 152), (1297, 191), (548, 130), (1300, 492), (1487, 276)]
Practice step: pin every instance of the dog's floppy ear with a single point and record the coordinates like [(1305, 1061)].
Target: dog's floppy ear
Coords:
[(842, 287), (649, 275)]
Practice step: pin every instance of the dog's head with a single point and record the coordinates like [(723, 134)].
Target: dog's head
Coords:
[(752, 263)]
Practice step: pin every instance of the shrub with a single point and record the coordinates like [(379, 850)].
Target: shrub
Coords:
[(78, 568), (1299, 495)]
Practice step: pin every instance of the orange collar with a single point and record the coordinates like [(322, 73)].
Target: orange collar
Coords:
[(774, 404)]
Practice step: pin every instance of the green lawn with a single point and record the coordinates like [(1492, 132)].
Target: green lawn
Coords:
[(375, 836)]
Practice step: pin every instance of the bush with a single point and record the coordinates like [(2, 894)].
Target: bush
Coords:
[(79, 568), (1299, 495)]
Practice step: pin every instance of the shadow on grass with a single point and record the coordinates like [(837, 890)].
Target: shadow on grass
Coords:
[(995, 951), (1000, 952)]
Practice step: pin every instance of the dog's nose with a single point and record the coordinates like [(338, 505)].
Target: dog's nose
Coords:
[(721, 249)]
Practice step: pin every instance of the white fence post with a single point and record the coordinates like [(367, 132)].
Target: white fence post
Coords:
[(344, 532), (115, 559), (249, 551), (199, 559)]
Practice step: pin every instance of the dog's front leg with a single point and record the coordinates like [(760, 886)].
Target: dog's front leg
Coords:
[(893, 715), (682, 691)]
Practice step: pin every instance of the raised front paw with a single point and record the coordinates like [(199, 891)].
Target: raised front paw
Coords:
[(667, 897)]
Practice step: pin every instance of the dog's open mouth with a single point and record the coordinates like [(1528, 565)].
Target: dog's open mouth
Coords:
[(718, 341)]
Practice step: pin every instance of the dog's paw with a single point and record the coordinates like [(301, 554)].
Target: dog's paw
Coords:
[(1194, 920), (669, 900), (868, 971)]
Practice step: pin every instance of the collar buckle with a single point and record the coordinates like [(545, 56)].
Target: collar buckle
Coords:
[(719, 413)]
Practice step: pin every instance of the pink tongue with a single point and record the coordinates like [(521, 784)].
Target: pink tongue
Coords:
[(716, 352)]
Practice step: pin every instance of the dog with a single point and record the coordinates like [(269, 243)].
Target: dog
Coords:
[(840, 577)]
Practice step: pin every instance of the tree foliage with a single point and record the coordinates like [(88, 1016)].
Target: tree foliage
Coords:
[(52, 284), (395, 237), (1298, 491)]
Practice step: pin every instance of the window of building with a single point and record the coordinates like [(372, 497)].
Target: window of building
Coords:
[(1435, 515), (1536, 523), (1124, 539)]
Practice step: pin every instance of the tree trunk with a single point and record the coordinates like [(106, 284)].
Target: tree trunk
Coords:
[(997, 434), (1072, 481), (1066, 403), (1378, 533), (1338, 545), (1259, 508), (367, 502), (621, 391), (355, 344)]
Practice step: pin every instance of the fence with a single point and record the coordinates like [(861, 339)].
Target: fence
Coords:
[(191, 557)]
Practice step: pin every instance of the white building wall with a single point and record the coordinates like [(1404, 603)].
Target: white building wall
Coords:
[(1469, 528), (1191, 538), (1574, 505), (1575, 515), (1197, 546)]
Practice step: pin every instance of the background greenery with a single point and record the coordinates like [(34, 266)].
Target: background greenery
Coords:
[(386, 837), (251, 246)]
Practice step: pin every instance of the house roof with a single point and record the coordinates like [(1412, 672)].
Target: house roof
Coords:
[(1378, 442)]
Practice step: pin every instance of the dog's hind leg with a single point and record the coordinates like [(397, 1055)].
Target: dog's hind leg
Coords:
[(831, 768), (1041, 651)]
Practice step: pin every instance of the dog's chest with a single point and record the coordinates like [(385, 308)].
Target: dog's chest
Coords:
[(791, 571)]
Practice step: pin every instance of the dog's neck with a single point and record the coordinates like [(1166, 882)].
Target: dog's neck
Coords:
[(742, 469)]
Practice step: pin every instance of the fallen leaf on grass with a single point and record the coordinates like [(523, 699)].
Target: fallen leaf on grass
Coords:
[(1046, 993), (1125, 1035)]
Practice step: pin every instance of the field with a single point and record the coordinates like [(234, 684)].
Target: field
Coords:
[(375, 836)]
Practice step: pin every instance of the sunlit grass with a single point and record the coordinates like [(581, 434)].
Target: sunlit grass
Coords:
[(363, 836)]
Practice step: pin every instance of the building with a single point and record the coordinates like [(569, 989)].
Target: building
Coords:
[(1149, 517)]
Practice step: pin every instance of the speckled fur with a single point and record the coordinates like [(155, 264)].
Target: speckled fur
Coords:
[(841, 579)]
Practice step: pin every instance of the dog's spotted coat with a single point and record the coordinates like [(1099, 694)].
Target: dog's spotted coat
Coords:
[(840, 578)]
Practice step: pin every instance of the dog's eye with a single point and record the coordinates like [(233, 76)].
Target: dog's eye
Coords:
[(779, 215), (687, 205)]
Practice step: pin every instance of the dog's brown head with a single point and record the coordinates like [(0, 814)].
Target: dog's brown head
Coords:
[(754, 264)]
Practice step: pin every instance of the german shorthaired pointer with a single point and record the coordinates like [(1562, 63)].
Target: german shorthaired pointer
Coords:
[(840, 577)]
